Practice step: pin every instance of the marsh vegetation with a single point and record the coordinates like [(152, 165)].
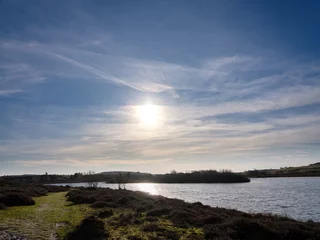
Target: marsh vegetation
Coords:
[(122, 214)]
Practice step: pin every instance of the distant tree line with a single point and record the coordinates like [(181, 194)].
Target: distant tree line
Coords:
[(312, 170), (204, 176), (122, 178)]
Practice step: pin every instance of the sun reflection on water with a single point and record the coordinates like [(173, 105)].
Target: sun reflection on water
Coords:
[(147, 187)]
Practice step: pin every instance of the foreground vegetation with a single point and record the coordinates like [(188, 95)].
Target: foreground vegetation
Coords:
[(52, 217), (88, 213), (312, 170), (137, 215), (18, 194)]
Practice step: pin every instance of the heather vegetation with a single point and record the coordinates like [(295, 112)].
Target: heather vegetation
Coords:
[(138, 215), (17, 194), (102, 213)]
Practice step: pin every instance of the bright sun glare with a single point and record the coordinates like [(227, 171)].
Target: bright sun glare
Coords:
[(148, 187), (149, 114)]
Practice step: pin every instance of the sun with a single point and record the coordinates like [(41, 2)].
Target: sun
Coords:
[(149, 114)]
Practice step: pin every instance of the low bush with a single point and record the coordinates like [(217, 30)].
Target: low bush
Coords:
[(20, 194), (158, 212), (216, 223), (102, 204), (53, 188), (99, 204), (151, 219), (151, 227), (134, 237), (3, 207), (90, 228), (105, 213), (16, 199)]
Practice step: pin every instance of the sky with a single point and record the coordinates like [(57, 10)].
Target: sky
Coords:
[(153, 86)]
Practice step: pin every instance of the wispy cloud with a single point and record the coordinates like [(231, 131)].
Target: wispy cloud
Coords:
[(8, 92), (197, 97), (86, 163)]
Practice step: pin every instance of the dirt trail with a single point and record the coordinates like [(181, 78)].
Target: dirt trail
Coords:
[(50, 218), (5, 235), (53, 234)]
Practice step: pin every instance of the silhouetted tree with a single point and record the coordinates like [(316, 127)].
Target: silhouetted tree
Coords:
[(92, 179), (121, 181)]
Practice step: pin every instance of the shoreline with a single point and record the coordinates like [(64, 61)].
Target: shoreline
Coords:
[(214, 221), (139, 215), (236, 196)]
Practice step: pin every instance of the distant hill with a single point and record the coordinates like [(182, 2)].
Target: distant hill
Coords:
[(124, 172), (312, 170), (204, 176)]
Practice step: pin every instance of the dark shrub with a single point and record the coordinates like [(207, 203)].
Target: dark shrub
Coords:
[(98, 204), (76, 197), (126, 217), (52, 188), (102, 204), (123, 200), (159, 212), (16, 199), (251, 230), (133, 237), (216, 232), (105, 214), (151, 219), (209, 220), (182, 218), (168, 234), (31, 190), (141, 209), (111, 205), (136, 221), (123, 220), (151, 227), (197, 204), (90, 228), (3, 207)]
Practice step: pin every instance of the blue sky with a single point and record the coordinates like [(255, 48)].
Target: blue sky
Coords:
[(236, 85)]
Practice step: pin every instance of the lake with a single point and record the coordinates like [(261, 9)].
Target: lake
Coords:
[(298, 198)]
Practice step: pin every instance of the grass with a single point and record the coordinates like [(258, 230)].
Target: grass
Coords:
[(137, 215), (126, 224), (128, 215), (52, 217)]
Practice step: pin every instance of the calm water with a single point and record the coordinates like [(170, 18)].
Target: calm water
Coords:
[(298, 198)]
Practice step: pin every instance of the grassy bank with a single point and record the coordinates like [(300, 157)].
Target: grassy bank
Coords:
[(137, 215), (52, 217), (83, 214)]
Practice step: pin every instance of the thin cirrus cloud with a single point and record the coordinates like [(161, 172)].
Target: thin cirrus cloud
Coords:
[(7, 92), (87, 163), (219, 109), (188, 133)]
